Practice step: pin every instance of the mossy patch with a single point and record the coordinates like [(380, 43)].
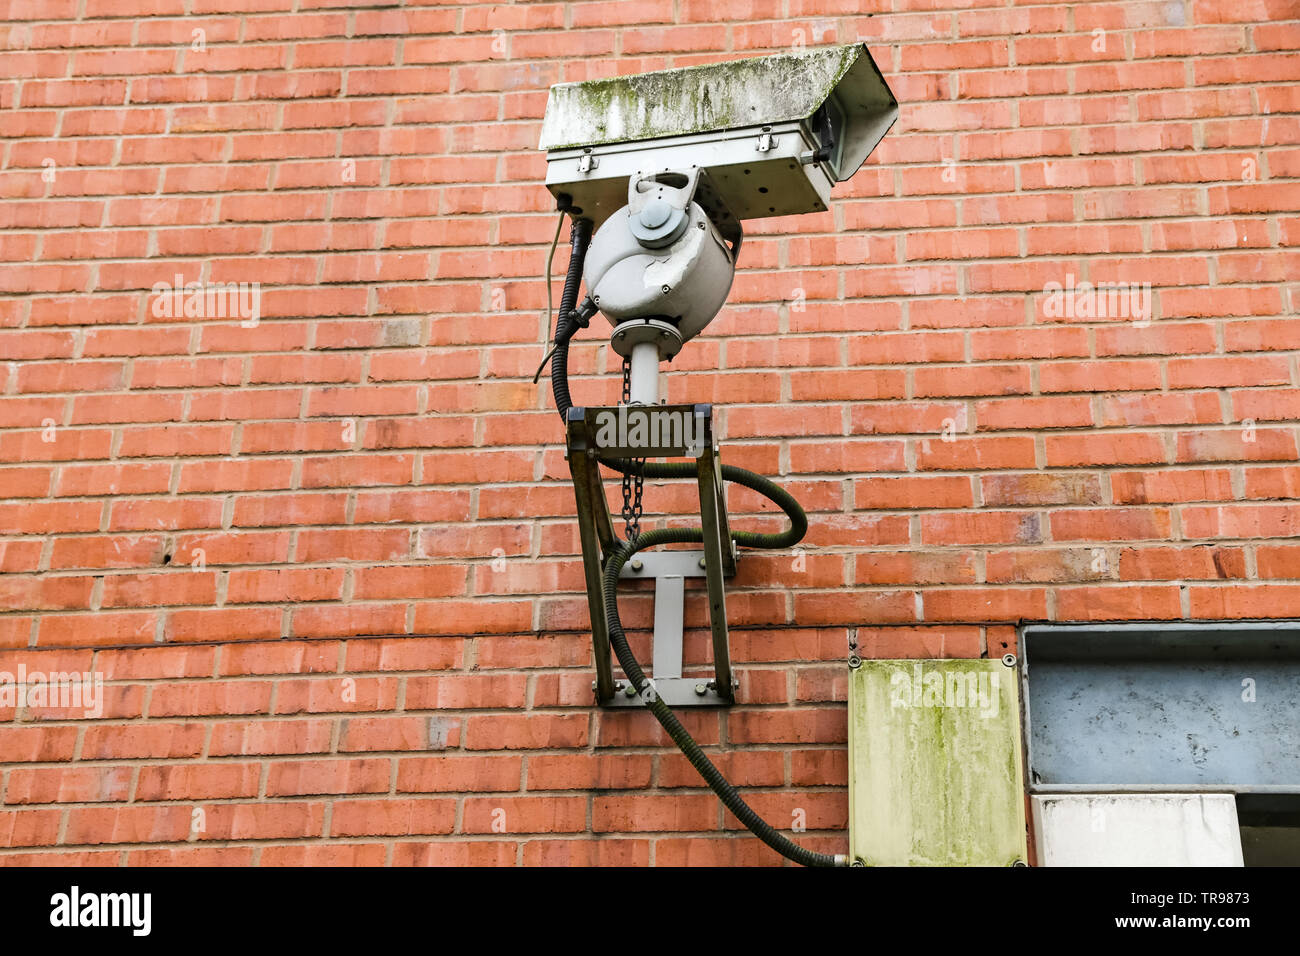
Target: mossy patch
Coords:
[(695, 99)]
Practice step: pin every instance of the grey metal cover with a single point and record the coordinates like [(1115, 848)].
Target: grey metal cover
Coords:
[(1176, 706), (719, 96)]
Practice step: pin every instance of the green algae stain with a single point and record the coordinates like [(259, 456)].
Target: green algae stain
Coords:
[(695, 99)]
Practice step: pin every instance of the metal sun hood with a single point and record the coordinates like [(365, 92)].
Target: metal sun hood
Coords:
[(754, 124)]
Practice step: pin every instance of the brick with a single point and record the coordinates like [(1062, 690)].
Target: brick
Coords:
[(332, 854), (1160, 409), (198, 856), (916, 567), (1240, 521), (464, 691), (985, 604), (526, 733), (247, 738), (762, 769), (524, 815), (155, 663), (198, 781), (366, 734), (406, 654), (1179, 563), (1241, 601), (890, 494), (298, 778), (92, 826), (1109, 524), (338, 695), (477, 853), (38, 743), (1118, 603), (1107, 376), (392, 817), (633, 814), (1040, 489), (605, 852), (589, 772), (829, 608), (819, 768), (817, 811), (103, 628), (450, 774), (238, 623), (397, 582), (1279, 561), (260, 821), (223, 698), (1141, 487), (1105, 448), (716, 852), (978, 453), (1030, 566), (29, 827), (1237, 444), (974, 380)]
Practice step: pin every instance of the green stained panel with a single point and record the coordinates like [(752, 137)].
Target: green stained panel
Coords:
[(935, 770)]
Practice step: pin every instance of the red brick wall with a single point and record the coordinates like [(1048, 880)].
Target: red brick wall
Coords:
[(231, 523)]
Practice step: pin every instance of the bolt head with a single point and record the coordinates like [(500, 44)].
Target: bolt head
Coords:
[(701, 689), (655, 213), (637, 565)]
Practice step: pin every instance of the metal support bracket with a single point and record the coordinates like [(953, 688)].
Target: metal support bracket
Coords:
[(659, 431)]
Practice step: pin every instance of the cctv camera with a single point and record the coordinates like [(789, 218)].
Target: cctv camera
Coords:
[(666, 165)]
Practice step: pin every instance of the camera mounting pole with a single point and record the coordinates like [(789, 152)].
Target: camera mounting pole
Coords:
[(630, 432)]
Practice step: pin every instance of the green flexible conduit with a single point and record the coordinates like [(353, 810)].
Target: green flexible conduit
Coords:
[(731, 799)]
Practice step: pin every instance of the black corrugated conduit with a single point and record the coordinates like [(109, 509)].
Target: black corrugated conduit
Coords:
[(570, 320)]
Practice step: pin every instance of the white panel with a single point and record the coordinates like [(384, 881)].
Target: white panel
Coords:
[(1137, 829)]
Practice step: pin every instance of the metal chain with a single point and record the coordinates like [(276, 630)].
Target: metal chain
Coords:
[(632, 481)]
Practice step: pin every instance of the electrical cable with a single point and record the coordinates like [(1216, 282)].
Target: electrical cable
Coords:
[(550, 312), (567, 324)]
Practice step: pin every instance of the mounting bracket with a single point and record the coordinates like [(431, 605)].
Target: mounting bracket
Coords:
[(654, 431)]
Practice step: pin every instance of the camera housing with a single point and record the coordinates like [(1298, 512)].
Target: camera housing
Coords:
[(674, 266), (770, 135)]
